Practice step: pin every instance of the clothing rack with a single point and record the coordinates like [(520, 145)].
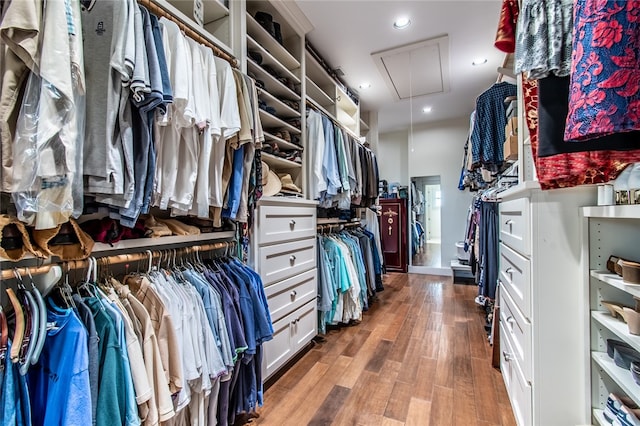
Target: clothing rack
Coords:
[(340, 226), (147, 255), (188, 29), (312, 104)]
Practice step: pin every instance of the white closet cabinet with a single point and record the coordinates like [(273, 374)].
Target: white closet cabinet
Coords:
[(608, 230), (541, 322), (284, 254)]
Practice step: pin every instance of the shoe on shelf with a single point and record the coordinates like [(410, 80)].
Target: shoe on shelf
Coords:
[(277, 33), (613, 343), (285, 135), (623, 356), (635, 372), (627, 417), (616, 309), (633, 320), (614, 406)]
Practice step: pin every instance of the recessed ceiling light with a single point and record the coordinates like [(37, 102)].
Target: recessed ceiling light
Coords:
[(401, 23), (426, 109), (479, 61), (365, 85)]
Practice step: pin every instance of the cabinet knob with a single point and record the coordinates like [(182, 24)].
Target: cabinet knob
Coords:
[(292, 258), (506, 355), (292, 223), (294, 293)]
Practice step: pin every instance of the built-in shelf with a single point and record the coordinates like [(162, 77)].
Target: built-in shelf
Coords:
[(345, 119), (316, 72), (268, 59), (618, 327), (270, 121), (273, 85), (282, 109), (519, 188), (612, 212), (279, 163), (620, 375), (345, 103), (617, 282), (363, 125), (213, 11), (282, 144), (278, 51), (317, 94), (599, 416)]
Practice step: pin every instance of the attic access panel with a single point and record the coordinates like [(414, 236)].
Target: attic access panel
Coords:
[(415, 69)]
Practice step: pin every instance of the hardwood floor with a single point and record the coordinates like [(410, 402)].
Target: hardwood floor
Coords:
[(419, 357)]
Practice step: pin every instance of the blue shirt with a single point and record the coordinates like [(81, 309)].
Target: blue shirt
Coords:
[(59, 381), (234, 192), (330, 160)]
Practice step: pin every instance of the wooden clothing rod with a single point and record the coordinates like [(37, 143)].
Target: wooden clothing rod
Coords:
[(8, 274), (188, 30)]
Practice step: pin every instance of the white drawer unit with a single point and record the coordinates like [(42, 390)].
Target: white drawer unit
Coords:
[(515, 277), (285, 260), (542, 331), (515, 226), (286, 223), (517, 387), (519, 330), (288, 295), (291, 334), (285, 255)]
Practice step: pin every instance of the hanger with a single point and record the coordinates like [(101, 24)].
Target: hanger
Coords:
[(18, 333), (42, 320), (31, 335)]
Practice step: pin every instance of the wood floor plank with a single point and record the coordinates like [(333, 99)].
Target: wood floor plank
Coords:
[(330, 406), (355, 344), (419, 413), (379, 356), (419, 356), (441, 406), (398, 404), (444, 370), (386, 421), (483, 380)]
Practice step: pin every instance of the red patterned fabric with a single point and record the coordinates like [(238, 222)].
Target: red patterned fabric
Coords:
[(605, 69), (506, 34), (573, 169)]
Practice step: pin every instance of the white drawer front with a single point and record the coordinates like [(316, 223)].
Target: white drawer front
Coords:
[(291, 333), (288, 295), (286, 260), (515, 276), (305, 325), (518, 330), (279, 223), (518, 388), (515, 225)]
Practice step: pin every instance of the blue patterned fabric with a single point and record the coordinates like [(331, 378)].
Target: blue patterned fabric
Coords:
[(488, 130)]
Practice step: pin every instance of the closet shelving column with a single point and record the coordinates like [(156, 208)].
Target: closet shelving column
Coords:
[(608, 230), (324, 92), (216, 22), (280, 71)]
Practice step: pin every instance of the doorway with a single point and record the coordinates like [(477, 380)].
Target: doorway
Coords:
[(425, 222)]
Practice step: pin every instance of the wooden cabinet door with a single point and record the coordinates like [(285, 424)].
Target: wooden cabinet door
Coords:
[(393, 233)]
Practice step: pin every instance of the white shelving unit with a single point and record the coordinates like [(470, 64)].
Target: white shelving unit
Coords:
[(278, 61), (607, 230)]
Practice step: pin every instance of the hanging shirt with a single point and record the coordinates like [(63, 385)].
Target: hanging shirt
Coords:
[(315, 136), (59, 382)]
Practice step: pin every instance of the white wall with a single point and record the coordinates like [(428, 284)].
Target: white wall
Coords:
[(437, 149), (392, 157)]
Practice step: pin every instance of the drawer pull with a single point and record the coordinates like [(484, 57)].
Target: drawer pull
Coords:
[(292, 223), (508, 222), (506, 355), (292, 258), (510, 321), (509, 271), (294, 294)]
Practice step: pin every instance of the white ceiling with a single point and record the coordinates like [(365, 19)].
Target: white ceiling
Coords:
[(347, 32)]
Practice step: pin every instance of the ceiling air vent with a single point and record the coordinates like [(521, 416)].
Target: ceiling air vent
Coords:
[(416, 69)]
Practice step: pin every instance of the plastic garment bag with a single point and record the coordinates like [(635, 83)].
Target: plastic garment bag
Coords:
[(47, 173)]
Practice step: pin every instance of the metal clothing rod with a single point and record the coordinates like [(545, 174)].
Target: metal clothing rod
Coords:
[(8, 274), (188, 30)]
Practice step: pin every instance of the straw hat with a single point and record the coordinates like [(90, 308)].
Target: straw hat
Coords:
[(287, 183), (270, 183)]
